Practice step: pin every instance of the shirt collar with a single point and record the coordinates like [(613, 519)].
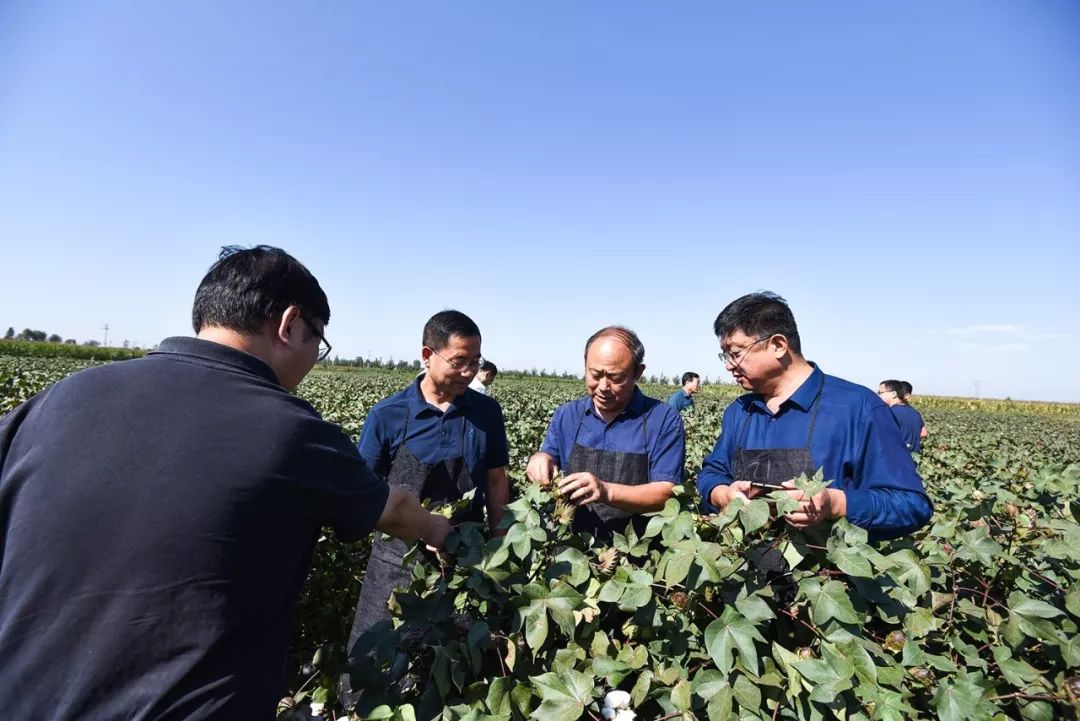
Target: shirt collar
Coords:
[(803, 397), (633, 409), (418, 405), (218, 353)]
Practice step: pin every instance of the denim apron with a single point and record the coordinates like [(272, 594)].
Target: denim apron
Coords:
[(776, 465), (446, 480), (622, 467)]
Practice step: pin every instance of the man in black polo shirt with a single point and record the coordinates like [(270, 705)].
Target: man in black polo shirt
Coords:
[(158, 516)]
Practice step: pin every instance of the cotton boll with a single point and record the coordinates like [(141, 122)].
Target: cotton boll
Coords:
[(617, 700)]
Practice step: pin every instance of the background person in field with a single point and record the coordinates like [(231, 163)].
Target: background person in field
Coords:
[(437, 439), (484, 377), (908, 390), (158, 516), (912, 429), (796, 420), (621, 451), (683, 399)]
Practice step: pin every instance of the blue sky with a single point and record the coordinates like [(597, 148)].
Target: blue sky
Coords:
[(906, 174)]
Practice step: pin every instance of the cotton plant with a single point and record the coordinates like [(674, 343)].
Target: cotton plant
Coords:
[(617, 707)]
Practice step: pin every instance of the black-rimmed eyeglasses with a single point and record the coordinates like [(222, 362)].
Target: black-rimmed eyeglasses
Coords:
[(734, 357), (324, 347), (459, 365)]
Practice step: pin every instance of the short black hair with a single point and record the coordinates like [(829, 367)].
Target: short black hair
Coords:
[(444, 324), (249, 287), (625, 336), (759, 315), (689, 376), (907, 388), (895, 386), (489, 366)]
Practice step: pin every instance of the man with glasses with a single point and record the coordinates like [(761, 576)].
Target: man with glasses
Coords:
[(796, 420), (912, 428), (158, 516), (436, 439)]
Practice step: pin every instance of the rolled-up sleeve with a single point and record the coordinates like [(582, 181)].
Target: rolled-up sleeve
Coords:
[(717, 470), (553, 439), (668, 453), (887, 498)]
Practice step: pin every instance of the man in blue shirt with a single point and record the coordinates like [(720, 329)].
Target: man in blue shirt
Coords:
[(621, 451), (912, 429), (683, 399), (797, 420), (158, 516), (437, 439)]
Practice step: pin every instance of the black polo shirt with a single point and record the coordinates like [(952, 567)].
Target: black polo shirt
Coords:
[(157, 520)]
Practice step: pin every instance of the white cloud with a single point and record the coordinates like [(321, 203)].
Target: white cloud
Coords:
[(991, 347)]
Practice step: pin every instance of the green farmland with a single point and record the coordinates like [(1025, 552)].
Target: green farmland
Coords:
[(975, 617)]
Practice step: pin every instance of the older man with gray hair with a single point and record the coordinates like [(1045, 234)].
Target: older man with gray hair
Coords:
[(621, 451)]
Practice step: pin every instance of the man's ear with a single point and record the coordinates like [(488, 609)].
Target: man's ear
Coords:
[(289, 324), (778, 345), (640, 372)]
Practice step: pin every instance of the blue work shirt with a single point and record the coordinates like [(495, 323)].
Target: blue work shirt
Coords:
[(911, 425), (680, 401), (645, 426), (856, 443), (435, 435)]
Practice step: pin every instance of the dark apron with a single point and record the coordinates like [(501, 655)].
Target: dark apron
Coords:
[(776, 465), (446, 480), (622, 467)]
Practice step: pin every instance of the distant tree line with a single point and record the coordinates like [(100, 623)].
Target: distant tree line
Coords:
[(414, 366), (41, 336)]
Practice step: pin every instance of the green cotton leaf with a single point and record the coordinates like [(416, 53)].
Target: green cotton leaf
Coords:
[(828, 600), (1017, 672), (962, 699), (719, 706), (570, 565), (1070, 651), (921, 622), (563, 696), (675, 566), (680, 696), (681, 527), (754, 515), (479, 635), (498, 697), (640, 691), (1038, 711), (851, 561), (729, 632), (754, 608), (859, 658), (792, 554), (1030, 607), (746, 693), (655, 525), (906, 568), (1072, 601), (637, 591), (977, 544), (536, 627), (613, 670)]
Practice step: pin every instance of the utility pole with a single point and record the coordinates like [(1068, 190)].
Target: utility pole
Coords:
[(977, 387), (106, 329)]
